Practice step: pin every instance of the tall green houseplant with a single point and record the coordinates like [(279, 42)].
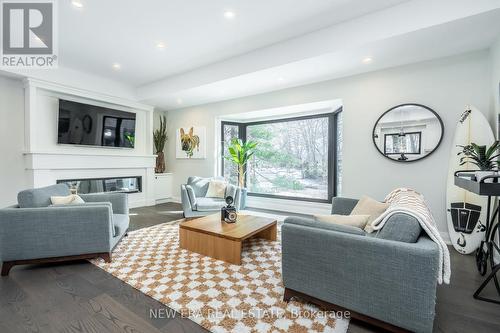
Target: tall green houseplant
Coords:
[(240, 153), (160, 138)]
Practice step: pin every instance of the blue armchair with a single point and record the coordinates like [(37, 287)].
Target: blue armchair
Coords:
[(34, 231), (194, 200)]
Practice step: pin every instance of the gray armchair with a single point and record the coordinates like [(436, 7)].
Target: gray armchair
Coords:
[(390, 283), (194, 200), (34, 231)]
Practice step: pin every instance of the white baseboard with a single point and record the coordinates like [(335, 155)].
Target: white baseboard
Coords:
[(136, 204), (140, 203), (161, 201), (175, 199)]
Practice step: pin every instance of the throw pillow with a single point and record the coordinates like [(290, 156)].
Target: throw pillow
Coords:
[(401, 227), (216, 189), (369, 206), (358, 221), (71, 199)]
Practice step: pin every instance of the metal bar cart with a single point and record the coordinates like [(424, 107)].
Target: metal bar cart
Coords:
[(487, 186)]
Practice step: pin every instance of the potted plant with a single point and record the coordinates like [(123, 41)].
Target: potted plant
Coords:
[(485, 158), (240, 153), (159, 139)]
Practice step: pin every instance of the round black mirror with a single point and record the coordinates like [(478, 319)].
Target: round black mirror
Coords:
[(408, 132)]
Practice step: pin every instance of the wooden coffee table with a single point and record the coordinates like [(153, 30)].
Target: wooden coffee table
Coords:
[(212, 237)]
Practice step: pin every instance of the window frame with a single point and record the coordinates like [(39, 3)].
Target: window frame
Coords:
[(397, 134), (332, 152)]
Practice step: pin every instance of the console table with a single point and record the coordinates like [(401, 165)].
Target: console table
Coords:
[(488, 186)]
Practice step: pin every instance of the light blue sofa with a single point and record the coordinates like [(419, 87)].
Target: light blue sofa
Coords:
[(34, 231), (387, 278), (194, 200)]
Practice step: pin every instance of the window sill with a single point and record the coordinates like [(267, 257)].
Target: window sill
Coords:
[(286, 205)]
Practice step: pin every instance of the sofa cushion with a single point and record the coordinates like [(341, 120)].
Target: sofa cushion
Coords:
[(343, 206), (120, 224), (199, 185), (369, 206), (401, 227), (40, 197), (209, 204), (358, 221), (216, 189)]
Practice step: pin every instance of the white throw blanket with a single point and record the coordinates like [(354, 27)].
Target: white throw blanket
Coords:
[(403, 200)]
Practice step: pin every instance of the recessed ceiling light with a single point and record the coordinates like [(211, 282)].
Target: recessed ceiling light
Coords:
[(229, 14), (161, 45), (281, 79), (179, 101), (117, 66), (77, 3), (367, 60)]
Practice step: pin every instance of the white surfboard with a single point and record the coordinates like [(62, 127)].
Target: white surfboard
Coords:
[(466, 211)]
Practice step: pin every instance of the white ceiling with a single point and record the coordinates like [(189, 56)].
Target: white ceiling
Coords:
[(195, 32), (269, 45), (472, 33)]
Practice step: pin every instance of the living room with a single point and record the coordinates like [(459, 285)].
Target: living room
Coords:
[(177, 167)]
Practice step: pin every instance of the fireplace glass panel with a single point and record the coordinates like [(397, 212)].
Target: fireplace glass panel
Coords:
[(104, 185)]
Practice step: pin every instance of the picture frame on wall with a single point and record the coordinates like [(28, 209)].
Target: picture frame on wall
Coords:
[(191, 142)]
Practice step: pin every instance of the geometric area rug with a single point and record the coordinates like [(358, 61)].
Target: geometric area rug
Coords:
[(217, 295)]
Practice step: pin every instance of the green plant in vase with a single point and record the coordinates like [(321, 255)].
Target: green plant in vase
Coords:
[(240, 153), (159, 139), (483, 157)]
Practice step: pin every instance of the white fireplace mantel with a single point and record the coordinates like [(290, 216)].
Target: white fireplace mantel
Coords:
[(68, 161), (46, 162)]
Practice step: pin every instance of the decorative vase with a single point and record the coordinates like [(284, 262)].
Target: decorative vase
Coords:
[(160, 162), (484, 173), (243, 198)]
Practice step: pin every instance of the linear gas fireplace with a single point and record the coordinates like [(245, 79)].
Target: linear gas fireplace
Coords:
[(104, 185)]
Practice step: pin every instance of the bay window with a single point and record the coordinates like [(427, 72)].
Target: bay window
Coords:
[(296, 158)]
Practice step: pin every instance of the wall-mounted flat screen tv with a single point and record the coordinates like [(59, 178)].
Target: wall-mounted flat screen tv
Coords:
[(90, 125)]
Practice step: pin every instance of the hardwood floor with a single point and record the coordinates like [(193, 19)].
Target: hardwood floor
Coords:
[(79, 297)]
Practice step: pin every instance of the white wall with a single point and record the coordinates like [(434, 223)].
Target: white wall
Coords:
[(12, 175), (445, 85), (495, 97), (495, 82)]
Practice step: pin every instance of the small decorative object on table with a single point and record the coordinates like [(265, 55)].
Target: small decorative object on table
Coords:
[(228, 213)]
